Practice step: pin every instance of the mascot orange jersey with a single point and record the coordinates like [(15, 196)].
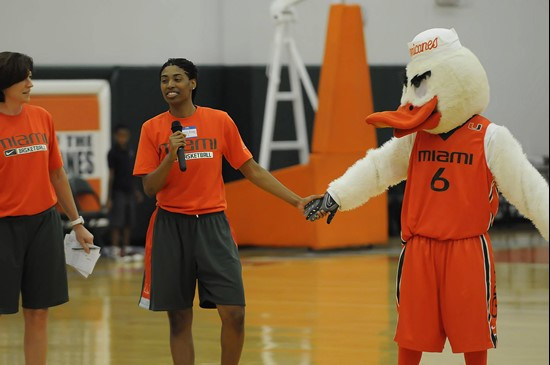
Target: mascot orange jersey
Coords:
[(443, 180)]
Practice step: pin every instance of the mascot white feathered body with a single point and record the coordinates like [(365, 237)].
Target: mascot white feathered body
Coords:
[(454, 160)]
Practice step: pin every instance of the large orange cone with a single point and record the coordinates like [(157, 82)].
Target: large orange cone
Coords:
[(340, 138)]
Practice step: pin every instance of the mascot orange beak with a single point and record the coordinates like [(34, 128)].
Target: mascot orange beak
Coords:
[(407, 118)]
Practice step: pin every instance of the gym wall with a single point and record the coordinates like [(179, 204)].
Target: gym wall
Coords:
[(510, 37), (126, 41)]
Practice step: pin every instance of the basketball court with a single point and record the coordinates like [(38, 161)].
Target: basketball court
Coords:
[(303, 308)]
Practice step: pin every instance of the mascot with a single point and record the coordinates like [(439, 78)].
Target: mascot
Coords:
[(455, 162)]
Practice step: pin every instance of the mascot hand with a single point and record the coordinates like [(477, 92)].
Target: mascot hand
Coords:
[(317, 208)]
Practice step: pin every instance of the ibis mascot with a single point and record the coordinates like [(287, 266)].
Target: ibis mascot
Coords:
[(455, 163)]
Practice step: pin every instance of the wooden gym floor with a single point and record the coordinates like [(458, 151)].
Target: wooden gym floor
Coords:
[(303, 307)]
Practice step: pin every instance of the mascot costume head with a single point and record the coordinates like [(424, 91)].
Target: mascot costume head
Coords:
[(445, 86)]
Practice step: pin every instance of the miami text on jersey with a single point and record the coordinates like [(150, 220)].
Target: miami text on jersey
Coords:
[(445, 156), (24, 140)]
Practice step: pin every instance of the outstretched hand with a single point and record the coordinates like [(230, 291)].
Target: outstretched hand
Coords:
[(320, 207), (305, 201)]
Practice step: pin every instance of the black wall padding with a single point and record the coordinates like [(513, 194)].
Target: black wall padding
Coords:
[(240, 91)]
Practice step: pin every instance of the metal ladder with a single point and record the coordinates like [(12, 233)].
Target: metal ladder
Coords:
[(297, 76)]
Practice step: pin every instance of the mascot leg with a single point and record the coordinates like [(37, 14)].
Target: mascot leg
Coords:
[(476, 358), (409, 357)]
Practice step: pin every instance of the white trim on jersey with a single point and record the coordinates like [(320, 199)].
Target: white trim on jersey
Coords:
[(489, 134)]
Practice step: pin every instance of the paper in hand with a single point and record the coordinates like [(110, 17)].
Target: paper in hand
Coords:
[(76, 257)]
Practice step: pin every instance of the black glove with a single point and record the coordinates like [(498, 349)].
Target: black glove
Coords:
[(326, 204)]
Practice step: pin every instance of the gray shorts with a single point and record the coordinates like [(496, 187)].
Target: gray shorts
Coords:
[(186, 250), (123, 211), (32, 262)]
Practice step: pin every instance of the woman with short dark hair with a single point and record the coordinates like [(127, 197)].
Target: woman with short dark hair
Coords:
[(32, 258)]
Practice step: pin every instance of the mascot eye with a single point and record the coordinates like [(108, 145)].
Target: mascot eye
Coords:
[(420, 83), (417, 80)]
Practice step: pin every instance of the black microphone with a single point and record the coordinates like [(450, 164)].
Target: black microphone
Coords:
[(176, 126)]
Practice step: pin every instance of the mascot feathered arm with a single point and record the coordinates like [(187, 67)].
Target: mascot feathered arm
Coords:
[(373, 174), (518, 181)]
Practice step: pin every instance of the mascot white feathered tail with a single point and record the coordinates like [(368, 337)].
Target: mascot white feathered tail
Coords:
[(453, 161)]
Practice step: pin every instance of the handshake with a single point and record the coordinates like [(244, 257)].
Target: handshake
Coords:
[(317, 208)]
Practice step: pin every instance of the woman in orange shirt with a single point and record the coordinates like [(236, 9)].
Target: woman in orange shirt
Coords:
[(32, 258), (189, 239)]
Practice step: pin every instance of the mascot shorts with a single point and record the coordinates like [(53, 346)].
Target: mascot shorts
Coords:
[(446, 289), (183, 250)]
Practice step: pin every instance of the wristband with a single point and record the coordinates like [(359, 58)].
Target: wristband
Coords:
[(78, 220)]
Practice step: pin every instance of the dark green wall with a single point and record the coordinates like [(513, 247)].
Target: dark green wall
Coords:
[(239, 90)]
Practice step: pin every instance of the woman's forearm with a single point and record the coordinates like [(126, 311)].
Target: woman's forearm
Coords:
[(155, 181), (65, 198), (264, 180), (62, 189)]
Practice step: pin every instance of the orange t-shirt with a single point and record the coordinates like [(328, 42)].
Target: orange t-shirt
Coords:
[(29, 151), (450, 192), (210, 135)]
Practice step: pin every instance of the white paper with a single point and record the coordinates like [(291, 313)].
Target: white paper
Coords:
[(76, 257)]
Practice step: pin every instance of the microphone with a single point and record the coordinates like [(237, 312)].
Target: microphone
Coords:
[(176, 126)]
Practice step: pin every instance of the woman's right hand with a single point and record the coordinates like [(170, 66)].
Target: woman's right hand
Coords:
[(176, 141), (84, 237)]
